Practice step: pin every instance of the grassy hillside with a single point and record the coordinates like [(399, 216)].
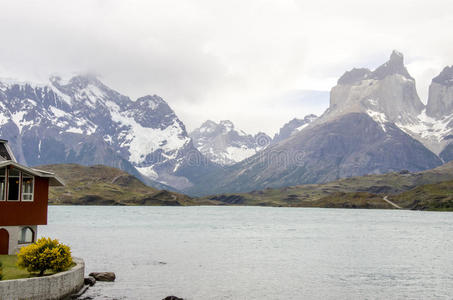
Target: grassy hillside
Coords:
[(436, 196), (102, 185), (361, 192)]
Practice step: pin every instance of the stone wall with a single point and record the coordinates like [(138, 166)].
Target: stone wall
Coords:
[(57, 286), (14, 234)]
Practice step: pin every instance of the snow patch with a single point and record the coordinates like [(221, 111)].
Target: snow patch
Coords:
[(142, 141), (61, 95), (148, 172), (3, 119), (373, 102), (378, 117), (74, 130), (58, 112), (238, 154), (301, 127), (428, 128), (108, 139), (18, 119), (91, 93)]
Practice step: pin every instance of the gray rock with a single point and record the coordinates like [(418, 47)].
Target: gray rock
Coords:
[(103, 276), (90, 280), (389, 91), (351, 145), (354, 76), (445, 77), (79, 293), (292, 127), (395, 65), (440, 98)]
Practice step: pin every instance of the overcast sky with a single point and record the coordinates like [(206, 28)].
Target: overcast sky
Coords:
[(232, 59)]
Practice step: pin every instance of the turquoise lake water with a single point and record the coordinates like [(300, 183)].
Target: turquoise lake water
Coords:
[(260, 253)]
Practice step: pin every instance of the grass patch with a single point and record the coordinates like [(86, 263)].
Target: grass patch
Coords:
[(436, 197), (12, 271)]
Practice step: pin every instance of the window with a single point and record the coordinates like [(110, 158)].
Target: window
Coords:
[(16, 185), (27, 187), (13, 185), (27, 235), (2, 184)]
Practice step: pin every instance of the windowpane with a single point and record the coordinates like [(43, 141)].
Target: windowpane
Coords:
[(13, 185), (2, 184), (27, 187), (26, 235)]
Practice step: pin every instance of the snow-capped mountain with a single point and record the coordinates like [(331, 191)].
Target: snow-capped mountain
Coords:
[(388, 95), (293, 127), (375, 123), (434, 125), (224, 144), (81, 120), (364, 131)]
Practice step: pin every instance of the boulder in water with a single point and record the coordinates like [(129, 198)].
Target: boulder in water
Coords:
[(103, 276)]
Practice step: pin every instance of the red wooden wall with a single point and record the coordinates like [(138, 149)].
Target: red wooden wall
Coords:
[(15, 213)]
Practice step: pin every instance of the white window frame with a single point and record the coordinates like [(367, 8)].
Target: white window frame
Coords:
[(21, 234), (4, 191), (22, 190)]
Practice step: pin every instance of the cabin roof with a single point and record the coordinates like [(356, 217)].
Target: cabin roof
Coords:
[(5, 151), (54, 180)]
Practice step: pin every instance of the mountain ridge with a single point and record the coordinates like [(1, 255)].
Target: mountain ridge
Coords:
[(376, 123), (81, 120), (222, 143), (363, 131)]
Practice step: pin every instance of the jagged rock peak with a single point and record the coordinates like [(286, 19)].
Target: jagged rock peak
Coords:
[(89, 123), (445, 77), (353, 76), (224, 144), (389, 91), (395, 65), (80, 81), (224, 126), (440, 98), (397, 57), (152, 102), (292, 127), (227, 124)]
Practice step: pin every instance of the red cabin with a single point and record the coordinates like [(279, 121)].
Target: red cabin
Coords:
[(24, 193)]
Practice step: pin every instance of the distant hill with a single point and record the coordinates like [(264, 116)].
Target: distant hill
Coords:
[(436, 196), (421, 190), (102, 185)]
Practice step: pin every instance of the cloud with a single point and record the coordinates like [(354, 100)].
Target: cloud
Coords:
[(231, 59)]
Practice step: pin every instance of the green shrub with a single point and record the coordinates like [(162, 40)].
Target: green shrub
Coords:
[(45, 254), (1, 270)]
